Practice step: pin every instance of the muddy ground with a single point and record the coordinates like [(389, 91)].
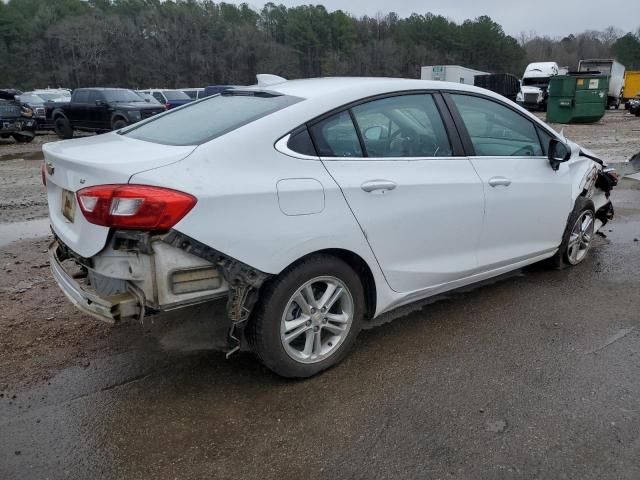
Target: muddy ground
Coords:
[(52, 334), (534, 376)]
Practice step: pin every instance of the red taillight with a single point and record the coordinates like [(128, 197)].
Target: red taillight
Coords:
[(43, 174), (167, 106), (139, 207)]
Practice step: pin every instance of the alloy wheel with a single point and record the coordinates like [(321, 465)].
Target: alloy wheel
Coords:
[(317, 319), (580, 238)]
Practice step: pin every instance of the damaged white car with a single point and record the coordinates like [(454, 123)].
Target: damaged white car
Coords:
[(314, 206)]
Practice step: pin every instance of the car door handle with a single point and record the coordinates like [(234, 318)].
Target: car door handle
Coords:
[(378, 186), (499, 182)]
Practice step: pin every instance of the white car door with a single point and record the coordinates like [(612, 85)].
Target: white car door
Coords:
[(527, 202), (418, 201)]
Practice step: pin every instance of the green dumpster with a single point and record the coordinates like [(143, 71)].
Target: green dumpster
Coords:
[(578, 98)]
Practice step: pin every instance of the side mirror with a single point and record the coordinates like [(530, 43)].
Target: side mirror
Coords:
[(557, 153)]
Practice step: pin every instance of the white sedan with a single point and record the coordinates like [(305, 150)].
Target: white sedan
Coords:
[(314, 206)]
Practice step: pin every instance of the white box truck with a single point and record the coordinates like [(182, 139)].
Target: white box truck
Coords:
[(614, 70), (450, 73)]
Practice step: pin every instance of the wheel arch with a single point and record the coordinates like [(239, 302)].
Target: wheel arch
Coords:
[(58, 113), (360, 266), (118, 116)]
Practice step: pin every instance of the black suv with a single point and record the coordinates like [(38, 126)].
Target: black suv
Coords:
[(99, 110), (16, 120)]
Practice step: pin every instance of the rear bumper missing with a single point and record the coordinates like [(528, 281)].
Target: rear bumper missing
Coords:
[(109, 309)]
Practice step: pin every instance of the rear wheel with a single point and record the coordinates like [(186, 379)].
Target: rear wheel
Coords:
[(578, 235), (63, 128), (118, 124), (308, 317)]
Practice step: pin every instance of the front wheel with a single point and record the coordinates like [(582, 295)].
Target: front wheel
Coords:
[(308, 317), (578, 235), (21, 138)]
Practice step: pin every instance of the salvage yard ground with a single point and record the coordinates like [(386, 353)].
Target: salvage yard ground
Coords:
[(532, 376)]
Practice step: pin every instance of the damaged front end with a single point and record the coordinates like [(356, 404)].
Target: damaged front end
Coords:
[(139, 272)]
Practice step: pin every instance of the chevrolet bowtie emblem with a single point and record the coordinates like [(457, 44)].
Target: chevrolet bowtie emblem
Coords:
[(50, 168)]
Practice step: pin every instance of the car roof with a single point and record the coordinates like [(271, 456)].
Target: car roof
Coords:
[(102, 89), (354, 88)]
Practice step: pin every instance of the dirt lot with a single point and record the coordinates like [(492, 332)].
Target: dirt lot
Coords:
[(40, 332), (533, 377)]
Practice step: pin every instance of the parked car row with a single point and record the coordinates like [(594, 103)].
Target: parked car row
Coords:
[(88, 109)]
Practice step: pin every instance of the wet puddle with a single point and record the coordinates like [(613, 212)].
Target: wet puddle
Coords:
[(12, 232), (23, 156)]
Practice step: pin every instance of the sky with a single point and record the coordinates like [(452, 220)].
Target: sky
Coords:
[(545, 17)]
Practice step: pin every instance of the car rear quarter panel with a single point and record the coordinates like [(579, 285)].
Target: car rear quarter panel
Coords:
[(235, 179)]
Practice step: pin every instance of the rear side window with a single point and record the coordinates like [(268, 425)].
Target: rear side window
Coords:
[(300, 142), (496, 130), (336, 136), (201, 121)]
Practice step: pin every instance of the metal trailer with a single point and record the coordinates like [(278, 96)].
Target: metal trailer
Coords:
[(611, 68), (505, 84), (450, 73)]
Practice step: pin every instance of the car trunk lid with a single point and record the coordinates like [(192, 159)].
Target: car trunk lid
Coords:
[(98, 160)]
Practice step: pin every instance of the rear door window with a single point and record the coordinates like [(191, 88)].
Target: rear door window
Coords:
[(402, 126)]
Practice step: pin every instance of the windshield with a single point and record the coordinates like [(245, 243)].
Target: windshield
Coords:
[(536, 81), (175, 95), (201, 121), (149, 98), (28, 98), (120, 96)]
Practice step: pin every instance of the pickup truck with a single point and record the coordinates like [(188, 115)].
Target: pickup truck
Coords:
[(98, 110)]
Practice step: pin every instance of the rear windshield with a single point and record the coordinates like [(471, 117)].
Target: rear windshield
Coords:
[(204, 120), (175, 95)]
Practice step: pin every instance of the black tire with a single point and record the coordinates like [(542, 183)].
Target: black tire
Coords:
[(118, 124), (561, 259), (63, 128), (23, 138), (264, 329)]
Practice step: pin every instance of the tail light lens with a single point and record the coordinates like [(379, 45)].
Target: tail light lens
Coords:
[(139, 207)]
